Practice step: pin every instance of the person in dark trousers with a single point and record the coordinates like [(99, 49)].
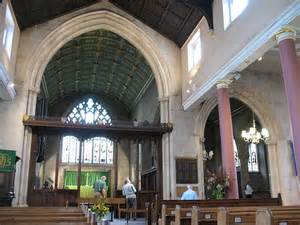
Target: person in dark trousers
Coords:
[(129, 191), (248, 190)]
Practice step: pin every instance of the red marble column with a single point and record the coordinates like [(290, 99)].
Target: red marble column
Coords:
[(291, 76), (226, 133)]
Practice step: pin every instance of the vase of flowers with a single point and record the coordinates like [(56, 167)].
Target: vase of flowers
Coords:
[(100, 209), (217, 185)]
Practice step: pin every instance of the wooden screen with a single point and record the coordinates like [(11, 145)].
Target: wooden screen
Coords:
[(186, 171)]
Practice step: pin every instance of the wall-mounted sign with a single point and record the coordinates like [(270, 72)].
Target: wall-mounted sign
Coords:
[(7, 160)]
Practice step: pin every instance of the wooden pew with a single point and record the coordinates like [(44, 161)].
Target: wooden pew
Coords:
[(167, 215), (213, 203), (183, 216), (42, 216), (289, 215), (237, 215), (205, 216)]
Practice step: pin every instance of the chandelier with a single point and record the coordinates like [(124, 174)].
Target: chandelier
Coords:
[(253, 135), (207, 155)]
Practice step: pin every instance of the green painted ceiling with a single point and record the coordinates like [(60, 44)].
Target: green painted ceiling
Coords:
[(98, 62)]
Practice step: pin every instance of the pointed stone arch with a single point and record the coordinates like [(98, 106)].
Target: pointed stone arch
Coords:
[(103, 19), (260, 107), (33, 66)]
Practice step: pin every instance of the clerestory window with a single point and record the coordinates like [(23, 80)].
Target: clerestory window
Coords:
[(194, 51), (9, 26), (232, 9), (97, 150)]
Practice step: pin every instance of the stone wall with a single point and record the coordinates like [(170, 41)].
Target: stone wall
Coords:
[(161, 53)]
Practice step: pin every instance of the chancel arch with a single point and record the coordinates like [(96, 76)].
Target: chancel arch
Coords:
[(259, 107), (47, 46)]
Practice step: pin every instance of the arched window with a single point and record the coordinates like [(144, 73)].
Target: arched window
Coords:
[(97, 150), (252, 161), (89, 112)]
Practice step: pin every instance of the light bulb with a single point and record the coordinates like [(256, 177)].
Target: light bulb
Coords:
[(265, 133)]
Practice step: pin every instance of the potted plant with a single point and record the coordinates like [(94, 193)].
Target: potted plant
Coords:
[(217, 185), (100, 209)]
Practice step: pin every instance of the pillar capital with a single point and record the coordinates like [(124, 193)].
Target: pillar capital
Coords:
[(285, 33), (223, 84)]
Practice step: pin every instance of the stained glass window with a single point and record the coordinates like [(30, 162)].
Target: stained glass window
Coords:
[(97, 150), (89, 112), (236, 155), (252, 161)]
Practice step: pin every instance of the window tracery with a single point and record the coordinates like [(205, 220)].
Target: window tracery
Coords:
[(97, 150)]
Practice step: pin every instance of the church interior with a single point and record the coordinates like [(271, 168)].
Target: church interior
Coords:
[(194, 103)]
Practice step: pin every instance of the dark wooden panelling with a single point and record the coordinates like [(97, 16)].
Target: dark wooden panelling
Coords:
[(174, 19), (186, 171)]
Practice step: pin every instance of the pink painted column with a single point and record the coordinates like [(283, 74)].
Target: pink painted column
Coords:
[(226, 133), (291, 76)]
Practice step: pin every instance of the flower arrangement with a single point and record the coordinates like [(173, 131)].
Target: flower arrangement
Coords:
[(100, 208), (217, 185)]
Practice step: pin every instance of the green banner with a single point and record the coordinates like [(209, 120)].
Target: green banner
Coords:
[(7, 160)]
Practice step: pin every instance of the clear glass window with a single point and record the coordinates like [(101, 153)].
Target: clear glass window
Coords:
[(194, 50), (232, 9), (8, 33)]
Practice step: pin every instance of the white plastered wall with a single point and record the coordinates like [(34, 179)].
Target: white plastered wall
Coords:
[(231, 50)]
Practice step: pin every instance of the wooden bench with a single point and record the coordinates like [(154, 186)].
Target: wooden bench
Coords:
[(42, 216), (183, 216), (207, 216), (208, 204), (167, 215), (278, 216)]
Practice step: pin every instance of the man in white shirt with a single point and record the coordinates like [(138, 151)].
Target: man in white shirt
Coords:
[(189, 194), (248, 190)]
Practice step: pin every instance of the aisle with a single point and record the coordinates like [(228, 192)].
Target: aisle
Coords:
[(138, 221)]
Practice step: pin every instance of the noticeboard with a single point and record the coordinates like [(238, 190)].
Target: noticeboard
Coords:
[(7, 160)]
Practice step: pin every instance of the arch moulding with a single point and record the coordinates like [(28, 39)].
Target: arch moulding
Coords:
[(260, 107), (103, 19), (253, 100), (43, 50)]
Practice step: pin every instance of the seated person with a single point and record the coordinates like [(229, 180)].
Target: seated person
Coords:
[(189, 194)]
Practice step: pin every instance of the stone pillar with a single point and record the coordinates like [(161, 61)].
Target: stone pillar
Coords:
[(22, 171), (291, 76), (201, 147), (226, 133), (164, 117)]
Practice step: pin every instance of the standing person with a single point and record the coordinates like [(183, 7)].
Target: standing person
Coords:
[(248, 190), (189, 194), (100, 188), (129, 191)]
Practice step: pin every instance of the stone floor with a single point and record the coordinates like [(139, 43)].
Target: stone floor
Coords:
[(138, 221)]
